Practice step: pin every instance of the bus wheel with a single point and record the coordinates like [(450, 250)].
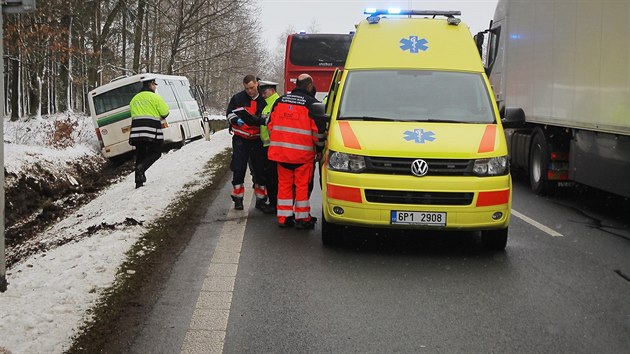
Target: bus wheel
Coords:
[(494, 240), (539, 164), (183, 142)]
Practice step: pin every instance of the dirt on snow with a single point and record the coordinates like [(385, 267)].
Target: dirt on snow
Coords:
[(36, 198)]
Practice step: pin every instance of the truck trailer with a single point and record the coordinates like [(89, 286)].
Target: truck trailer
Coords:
[(560, 71)]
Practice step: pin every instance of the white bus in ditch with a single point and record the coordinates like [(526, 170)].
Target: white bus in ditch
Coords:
[(109, 108)]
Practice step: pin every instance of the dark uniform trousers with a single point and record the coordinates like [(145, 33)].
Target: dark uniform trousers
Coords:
[(242, 151), (146, 154)]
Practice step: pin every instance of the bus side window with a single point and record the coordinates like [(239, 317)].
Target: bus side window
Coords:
[(183, 91), (116, 98), (165, 90)]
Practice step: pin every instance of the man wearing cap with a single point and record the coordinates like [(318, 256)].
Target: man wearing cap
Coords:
[(268, 91), (148, 110), (246, 143)]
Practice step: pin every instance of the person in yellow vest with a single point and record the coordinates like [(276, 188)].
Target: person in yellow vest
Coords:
[(268, 91), (148, 111)]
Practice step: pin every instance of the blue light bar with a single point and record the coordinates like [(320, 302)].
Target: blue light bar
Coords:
[(396, 11)]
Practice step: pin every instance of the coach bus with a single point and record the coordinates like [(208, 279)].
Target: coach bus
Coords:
[(109, 109), (317, 55)]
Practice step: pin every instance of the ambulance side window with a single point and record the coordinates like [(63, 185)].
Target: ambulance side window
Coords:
[(332, 93)]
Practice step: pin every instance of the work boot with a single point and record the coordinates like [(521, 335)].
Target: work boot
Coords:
[(288, 222), (264, 207), (140, 179), (305, 224), (238, 203), (260, 203), (270, 209)]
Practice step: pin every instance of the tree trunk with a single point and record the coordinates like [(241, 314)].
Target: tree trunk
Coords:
[(123, 61), (137, 37), (15, 90), (64, 99), (34, 94)]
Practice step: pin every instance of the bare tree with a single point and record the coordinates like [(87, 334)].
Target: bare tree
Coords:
[(68, 47), (137, 35)]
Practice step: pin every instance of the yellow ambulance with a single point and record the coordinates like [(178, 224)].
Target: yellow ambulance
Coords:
[(415, 140)]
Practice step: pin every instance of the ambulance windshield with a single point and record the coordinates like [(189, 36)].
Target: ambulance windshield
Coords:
[(416, 95)]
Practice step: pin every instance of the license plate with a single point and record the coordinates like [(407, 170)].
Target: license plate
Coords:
[(418, 218)]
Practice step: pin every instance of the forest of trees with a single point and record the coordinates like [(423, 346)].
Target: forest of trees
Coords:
[(55, 55)]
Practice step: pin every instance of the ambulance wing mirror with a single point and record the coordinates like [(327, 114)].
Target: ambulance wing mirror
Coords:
[(318, 112)]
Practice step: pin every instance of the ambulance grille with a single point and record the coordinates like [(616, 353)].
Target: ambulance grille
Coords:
[(402, 166), (418, 198)]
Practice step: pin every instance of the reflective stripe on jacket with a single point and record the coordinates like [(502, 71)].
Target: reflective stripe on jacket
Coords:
[(293, 133), (147, 110), (252, 105)]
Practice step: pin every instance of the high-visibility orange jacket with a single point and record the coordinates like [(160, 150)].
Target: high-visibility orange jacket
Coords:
[(294, 136)]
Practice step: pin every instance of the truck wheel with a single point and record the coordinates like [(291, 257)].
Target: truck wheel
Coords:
[(331, 233), (539, 164), (494, 240)]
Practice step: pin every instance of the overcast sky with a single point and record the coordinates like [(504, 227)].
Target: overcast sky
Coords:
[(340, 16)]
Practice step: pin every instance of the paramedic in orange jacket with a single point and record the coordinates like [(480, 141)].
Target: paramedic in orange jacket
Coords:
[(246, 143), (296, 139)]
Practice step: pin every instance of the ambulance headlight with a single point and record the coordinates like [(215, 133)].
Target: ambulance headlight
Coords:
[(495, 166), (339, 161)]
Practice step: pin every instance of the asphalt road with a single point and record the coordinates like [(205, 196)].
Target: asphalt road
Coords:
[(562, 285)]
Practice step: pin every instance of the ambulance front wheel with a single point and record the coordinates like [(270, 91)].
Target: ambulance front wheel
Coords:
[(494, 240), (331, 233)]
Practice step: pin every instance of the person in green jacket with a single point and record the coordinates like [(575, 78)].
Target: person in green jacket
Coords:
[(268, 91), (148, 111)]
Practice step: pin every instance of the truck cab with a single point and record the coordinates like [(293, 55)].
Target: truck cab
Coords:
[(415, 140)]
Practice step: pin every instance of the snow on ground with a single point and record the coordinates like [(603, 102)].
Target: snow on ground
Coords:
[(32, 141), (49, 293)]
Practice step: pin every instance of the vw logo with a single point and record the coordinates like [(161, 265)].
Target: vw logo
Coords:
[(419, 167)]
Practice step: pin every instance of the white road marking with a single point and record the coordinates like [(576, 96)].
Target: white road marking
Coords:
[(208, 326), (536, 224)]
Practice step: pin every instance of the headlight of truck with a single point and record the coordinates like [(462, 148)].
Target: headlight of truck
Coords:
[(339, 161), (495, 166)]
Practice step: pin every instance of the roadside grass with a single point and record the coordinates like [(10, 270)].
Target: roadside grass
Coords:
[(117, 316)]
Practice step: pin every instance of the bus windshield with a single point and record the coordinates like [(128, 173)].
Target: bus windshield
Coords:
[(319, 50), (416, 95), (317, 55)]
